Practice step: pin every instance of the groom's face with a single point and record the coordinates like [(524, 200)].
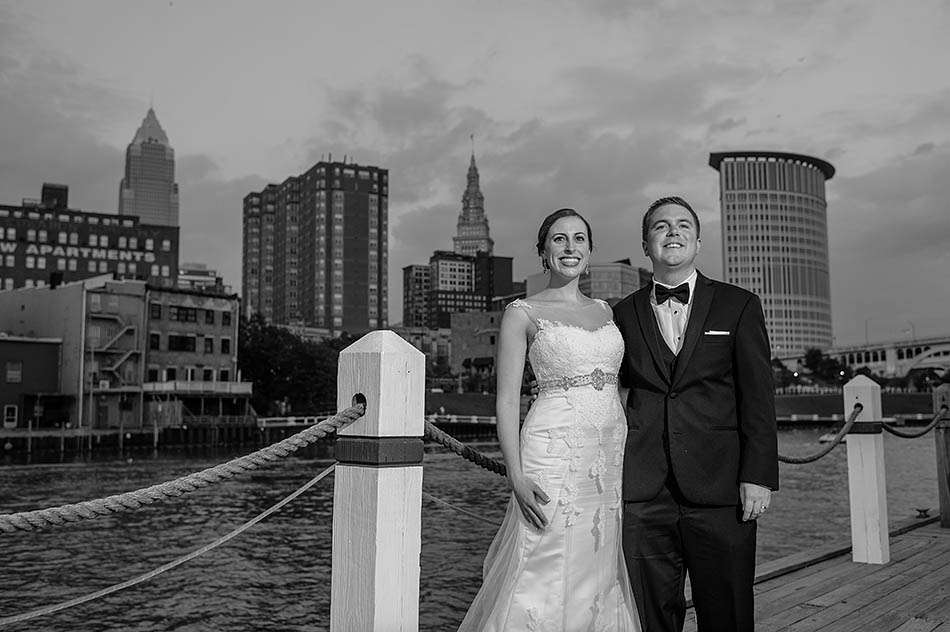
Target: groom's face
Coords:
[(672, 239)]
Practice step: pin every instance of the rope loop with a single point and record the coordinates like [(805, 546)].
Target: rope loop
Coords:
[(466, 452), (839, 437), (915, 434), (130, 501)]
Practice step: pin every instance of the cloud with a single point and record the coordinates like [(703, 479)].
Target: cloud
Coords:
[(211, 215), (51, 116), (580, 157), (890, 236), (726, 124)]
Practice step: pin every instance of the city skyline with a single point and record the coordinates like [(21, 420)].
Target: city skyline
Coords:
[(628, 112)]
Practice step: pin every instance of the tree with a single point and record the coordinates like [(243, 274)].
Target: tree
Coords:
[(826, 368), (285, 368), (781, 375), (813, 359)]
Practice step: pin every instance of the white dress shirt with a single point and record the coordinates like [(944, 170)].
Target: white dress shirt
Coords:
[(672, 316)]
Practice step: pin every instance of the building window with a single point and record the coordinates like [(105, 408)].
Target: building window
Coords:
[(182, 314), (182, 343), (155, 342), (152, 375), (133, 242), (224, 375), (122, 242), (14, 372), (91, 266), (209, 316), (9, 416), (209, 344), (170, 374), (226, 346), (166, 245), (207, 375), (103, 266), (149, 245), (226, 319), (93, 239)]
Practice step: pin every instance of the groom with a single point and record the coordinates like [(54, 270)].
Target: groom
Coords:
[(701, 457)]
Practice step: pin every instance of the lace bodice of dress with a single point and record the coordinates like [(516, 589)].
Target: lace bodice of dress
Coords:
[(561, 349)]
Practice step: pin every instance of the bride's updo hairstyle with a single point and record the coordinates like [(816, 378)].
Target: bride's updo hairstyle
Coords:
[(549, 222)]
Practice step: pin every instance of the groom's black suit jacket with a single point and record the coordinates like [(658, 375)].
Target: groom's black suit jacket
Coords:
[(711, 419)]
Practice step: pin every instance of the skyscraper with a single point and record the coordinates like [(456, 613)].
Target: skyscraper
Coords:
[(472, 229), (775, 241), (316, 249), (416, 279), (148, 189)]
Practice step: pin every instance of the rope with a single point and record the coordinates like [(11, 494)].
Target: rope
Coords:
[(464, 451), (460, 510), (87, 510), (914, 434), (40, 612), (845, 429)]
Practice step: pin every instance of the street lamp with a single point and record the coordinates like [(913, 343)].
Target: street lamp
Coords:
[(913, 330)]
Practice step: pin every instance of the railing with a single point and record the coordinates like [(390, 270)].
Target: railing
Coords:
[(378, 484), (220, 420), (181, 386)]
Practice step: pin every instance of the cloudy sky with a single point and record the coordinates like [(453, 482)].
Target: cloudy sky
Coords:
[(602, 105)]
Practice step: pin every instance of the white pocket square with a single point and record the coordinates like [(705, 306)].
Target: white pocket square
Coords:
[(715, 332)]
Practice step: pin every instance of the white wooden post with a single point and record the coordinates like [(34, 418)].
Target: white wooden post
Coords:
[(941, 398), (867, 485), (377, 494)]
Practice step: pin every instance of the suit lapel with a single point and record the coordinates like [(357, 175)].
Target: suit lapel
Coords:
[(651, 332), (702, 301)]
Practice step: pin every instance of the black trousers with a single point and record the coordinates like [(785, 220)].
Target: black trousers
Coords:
[(666, 537)]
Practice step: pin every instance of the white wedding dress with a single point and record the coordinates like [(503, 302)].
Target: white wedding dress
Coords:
[(571, 576)]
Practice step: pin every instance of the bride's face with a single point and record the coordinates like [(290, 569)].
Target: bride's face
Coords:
[(567, 248)]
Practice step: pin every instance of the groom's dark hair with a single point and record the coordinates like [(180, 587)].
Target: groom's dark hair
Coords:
[(663, 201)]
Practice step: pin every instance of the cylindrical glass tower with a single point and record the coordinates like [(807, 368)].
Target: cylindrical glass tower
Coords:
[(775, 241)]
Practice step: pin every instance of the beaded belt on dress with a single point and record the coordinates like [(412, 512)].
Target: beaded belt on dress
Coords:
[(595, 378)]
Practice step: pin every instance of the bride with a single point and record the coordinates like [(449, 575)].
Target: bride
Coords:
[(555, 563)]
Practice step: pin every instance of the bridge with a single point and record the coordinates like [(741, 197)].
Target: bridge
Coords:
[(894, 358)]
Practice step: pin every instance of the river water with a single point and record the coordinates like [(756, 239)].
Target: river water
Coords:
[(276, 576)]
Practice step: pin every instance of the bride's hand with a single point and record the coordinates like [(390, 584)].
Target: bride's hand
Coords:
[(528, 495)]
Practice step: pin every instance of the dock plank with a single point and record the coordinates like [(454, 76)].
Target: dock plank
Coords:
[(831, 593)]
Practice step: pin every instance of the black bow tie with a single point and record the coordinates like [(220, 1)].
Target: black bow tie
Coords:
[(680, 293)]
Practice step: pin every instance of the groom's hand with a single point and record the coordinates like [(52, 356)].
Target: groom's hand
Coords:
[(755, 500), (535, 389)]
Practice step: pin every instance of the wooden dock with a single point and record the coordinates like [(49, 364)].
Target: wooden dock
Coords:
[(825, 590)]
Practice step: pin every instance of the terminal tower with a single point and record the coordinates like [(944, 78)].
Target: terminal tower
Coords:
[(472, 233)]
